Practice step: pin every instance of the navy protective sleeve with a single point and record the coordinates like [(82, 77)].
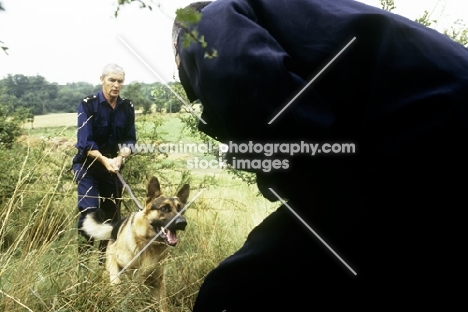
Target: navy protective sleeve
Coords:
[(85, 141), (396, 92), (396, 80)]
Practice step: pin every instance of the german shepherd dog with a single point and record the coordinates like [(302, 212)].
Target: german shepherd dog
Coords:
[(129, 236)]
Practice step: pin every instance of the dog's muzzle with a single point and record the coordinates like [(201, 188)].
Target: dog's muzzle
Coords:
[(169, 235)]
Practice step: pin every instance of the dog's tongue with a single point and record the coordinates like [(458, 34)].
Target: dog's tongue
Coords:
[(171, 237)]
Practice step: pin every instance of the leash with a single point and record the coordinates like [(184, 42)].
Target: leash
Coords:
[(129, 190), (118, 202)]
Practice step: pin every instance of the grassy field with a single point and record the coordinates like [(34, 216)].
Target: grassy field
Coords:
[(53, 121), (39, 268)]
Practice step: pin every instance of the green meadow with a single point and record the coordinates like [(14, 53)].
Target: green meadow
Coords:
[(39, 269)]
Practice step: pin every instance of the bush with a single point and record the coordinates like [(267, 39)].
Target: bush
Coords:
[(10, 127)]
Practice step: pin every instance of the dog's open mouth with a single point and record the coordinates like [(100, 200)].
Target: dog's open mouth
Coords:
[(168, 234), (169, 237)]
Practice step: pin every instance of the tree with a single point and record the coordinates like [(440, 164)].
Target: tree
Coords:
[(10, 126), (16, 84), (164, 96), (160, 94), (134, 92), (8, 103), (69, 95), (32, 92)]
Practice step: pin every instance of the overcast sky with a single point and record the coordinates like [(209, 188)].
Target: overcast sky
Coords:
[(71, 40)]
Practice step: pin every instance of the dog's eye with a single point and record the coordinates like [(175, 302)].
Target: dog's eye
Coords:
[(166, 208)]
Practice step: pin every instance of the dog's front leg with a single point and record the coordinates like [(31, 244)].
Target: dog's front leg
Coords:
[(162, 296), (113, 268), (158, 291)]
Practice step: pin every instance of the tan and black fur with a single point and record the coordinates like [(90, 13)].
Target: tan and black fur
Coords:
[(129, 236)]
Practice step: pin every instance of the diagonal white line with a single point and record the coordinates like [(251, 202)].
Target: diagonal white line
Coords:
[(160, 232), (313, 79), (312, 230), (162, 80)]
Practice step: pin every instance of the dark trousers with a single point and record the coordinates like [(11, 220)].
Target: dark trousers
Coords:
[(401, 231), (97, 189)]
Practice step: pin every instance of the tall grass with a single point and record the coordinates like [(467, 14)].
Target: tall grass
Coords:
[(39, 267)]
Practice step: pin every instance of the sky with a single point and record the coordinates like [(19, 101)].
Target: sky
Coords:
[(71, 40)]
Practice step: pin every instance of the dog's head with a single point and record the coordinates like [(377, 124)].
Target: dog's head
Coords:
[(162, 211)]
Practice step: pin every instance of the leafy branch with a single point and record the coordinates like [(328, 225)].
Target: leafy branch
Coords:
[(4, 48), (458, 32), (388, 5), (424, 20), (188, 18), (143, 5)]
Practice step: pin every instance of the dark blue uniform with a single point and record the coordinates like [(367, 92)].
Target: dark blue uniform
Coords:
[(100, 127), (399, 92)]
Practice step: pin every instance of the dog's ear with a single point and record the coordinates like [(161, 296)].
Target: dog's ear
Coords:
[(153, 189), (184, 193)]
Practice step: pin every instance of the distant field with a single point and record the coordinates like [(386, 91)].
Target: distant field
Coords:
[(53, 120)]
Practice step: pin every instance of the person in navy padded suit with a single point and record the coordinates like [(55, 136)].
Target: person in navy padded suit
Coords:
[(105, 120), (391, 212)]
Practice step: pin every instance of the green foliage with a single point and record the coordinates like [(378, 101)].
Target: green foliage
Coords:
[(425, 19), (458, 32), (191, 121), (4, 48), (10, 165), (38, 226), (134, 92), (177, 98), (143, 5), (173, 106), (161, 95), (388, 5), (10, 126), (151, 130), (170, 97), (39, 96), (188, 18), (32, 182)]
